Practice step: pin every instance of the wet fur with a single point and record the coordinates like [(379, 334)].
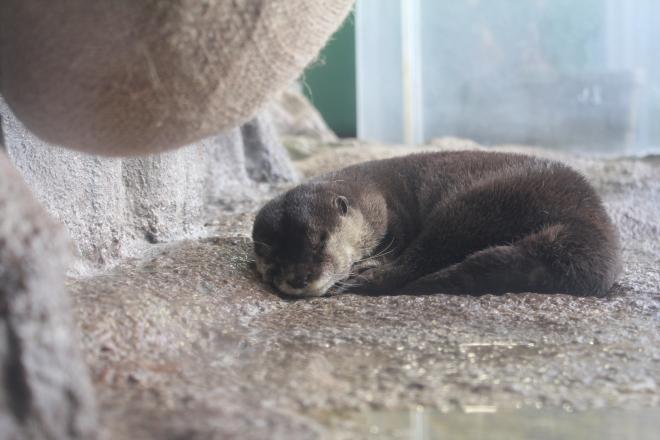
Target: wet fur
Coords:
[(454, 222)]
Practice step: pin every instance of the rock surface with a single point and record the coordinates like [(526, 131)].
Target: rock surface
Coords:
[(187, 343), (294, 115), (113, 208), (144, 76), (45, 391)]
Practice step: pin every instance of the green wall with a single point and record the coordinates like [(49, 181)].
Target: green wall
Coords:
[(330, 82)]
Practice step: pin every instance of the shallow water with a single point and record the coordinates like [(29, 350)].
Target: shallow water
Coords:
[(486, 422)]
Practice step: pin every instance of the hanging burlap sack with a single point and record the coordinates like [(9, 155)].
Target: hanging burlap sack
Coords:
[(135, 76)]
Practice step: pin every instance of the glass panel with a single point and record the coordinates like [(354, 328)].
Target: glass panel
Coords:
[(559, 73)]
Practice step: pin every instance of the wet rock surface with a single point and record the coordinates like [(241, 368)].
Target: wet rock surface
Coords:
[(187, 343)]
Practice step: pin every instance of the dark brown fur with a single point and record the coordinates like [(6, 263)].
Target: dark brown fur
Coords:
[(455, 222)]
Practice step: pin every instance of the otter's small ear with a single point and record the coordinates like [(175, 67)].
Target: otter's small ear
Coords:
[(342, 204)]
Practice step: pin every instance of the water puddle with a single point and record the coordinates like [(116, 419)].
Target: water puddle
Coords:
[(487, 422)]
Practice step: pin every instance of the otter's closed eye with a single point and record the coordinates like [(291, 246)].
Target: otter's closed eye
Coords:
[(342, 204)]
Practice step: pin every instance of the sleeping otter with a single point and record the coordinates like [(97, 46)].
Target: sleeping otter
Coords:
[(452, 222)]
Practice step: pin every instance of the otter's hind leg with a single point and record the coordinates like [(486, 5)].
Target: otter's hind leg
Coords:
[(557, 259)]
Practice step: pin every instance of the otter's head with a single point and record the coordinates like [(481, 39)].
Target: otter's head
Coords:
[(307, 240)]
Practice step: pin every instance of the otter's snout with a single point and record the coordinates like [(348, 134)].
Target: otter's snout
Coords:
[(296, 277), (299, 281)]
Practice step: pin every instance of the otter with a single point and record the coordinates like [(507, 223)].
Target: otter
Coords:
[(465, 222)]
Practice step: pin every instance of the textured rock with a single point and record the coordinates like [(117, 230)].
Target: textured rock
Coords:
[(46, 391), (114, 208), (266, 160), (300, 126), (294, 115), (138, 76), (187, 343)]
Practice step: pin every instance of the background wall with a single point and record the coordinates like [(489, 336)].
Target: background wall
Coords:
[(330, 82)]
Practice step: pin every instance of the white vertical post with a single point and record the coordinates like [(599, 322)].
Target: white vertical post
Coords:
[(411, 64), (378, 52)]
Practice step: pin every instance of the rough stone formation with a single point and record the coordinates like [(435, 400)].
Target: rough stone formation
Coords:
[(113, 207), (187, 343), (266, 161), (138, 76), (45, 391), (294, 115), (300, 126)]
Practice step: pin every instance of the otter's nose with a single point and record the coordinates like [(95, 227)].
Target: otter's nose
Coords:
[(299, 281)]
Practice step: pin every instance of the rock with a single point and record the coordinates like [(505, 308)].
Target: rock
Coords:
[(293, 115), (134, 77), (302, 147), (114, 208), (217, 354), (46, 393), (266, 160)]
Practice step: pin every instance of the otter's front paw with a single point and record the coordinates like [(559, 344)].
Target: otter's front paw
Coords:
[(380, 279)]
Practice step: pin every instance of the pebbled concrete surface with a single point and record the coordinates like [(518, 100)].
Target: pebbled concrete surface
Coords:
[(187, 343)]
